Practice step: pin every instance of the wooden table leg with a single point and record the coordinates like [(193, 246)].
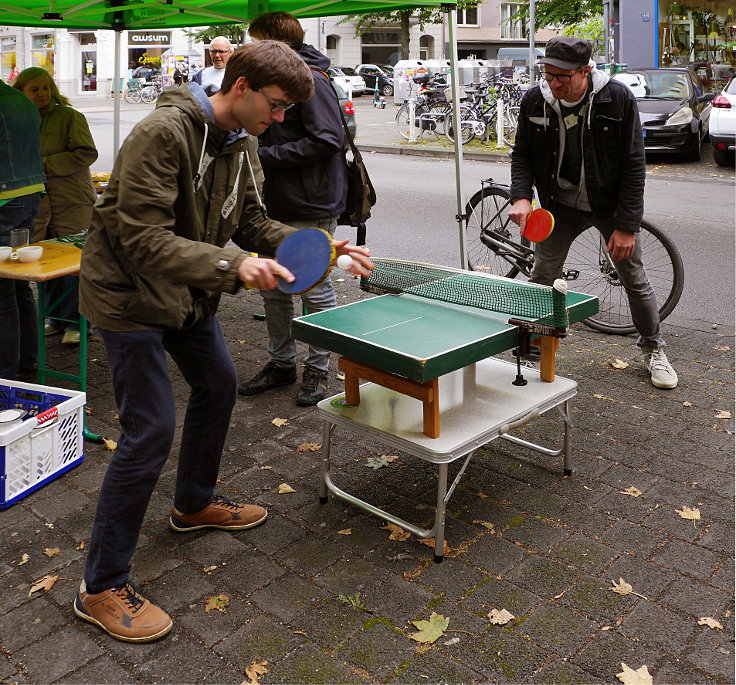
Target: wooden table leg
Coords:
[(549, 345)]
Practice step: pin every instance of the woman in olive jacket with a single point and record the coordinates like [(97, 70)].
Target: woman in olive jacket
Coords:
[(68, 151)]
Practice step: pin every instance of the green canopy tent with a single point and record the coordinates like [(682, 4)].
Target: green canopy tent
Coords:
[(120, 15)]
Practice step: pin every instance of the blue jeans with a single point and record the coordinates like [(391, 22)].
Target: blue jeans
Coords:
[(147, 414), (279, 308), (18, 341), (550, 255)]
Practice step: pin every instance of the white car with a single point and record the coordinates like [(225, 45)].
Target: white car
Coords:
[(723, 125), (348, 79)]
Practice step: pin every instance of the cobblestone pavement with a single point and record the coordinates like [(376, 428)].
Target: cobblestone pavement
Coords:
[(319, 606)]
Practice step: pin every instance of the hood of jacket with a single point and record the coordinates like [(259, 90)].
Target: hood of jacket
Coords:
[(313, 57)]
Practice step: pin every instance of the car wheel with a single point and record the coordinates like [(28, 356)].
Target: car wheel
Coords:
[(724, 157), (388, 90), (692, 154)]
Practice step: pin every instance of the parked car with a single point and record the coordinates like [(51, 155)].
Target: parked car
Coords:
[(673, 107), (348, 79), (723, 125), (347, 108), (382, 72)]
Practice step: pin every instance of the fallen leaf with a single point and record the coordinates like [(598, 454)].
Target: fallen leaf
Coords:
[(240, 341), (45, 584), (623, 588), (345, 531), (340, 376), (629, 676), (482, 495), (299, 632), (24, 559), (285, 489), (397, 533), (631, 490), (722, 348), (209, 569), (266, 468), (110, 444), (687, 404), (81, 544), (603, 397), (389, 458), (449, 643), (430, 631), (255, 671), (690, 514), (52, 552), (618, 364), (219, 602), (375, 463), (280, 422), (308, 447), (429, 542), (710, 622), (723, 414), (500, 616), (486, 524)]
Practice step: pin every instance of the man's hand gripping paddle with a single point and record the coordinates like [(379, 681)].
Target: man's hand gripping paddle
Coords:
[(539, 225), (309, 254)]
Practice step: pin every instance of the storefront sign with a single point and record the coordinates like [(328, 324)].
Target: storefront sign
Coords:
[(149, 38)]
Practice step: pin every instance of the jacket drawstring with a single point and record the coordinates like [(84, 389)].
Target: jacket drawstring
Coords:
[(255, 185), (197, 180), (232, 198)]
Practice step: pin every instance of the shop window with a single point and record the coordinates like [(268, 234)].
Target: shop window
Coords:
[(8, 58), (42, 52)]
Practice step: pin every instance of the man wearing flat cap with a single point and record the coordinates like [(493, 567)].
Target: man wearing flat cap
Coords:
[(579, 143)]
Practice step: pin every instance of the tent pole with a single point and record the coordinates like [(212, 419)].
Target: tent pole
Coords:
[(455, 84), (117, 91)]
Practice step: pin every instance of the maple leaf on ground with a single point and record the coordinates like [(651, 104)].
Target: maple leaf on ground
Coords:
[(45, 584), (255, 671), (24, 559), (723, 414), (690, 514), (280, 422), (687, 404), (629, 676), (285, 489), (500, 616), (486, 524), (618, 364), (429, 542), (308, 447), (375, 463), (110, 444), (219, 602), (432, 630), (623, 588), (397, 533), (52, 552), (710, 622), (631, 490)]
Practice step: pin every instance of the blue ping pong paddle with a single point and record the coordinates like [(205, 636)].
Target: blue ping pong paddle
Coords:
[(308, 254)]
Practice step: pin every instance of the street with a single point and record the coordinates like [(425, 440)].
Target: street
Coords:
[(414, 217)]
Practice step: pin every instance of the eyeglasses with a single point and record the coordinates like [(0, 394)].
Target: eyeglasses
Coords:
[(275, 106), (562, 78), (219, 52)]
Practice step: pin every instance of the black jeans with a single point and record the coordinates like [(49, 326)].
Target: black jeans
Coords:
[(146, 409)]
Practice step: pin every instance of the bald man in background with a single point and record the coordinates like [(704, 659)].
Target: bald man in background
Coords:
[(211, 78)]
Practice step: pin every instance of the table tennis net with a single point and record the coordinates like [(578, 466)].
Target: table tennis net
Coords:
[(465, 288)]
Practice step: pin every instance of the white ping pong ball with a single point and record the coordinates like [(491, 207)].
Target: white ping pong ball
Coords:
[(344, 262)]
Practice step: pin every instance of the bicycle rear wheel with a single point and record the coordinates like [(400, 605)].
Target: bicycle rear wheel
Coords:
[(468, 123), (148, 94), (595, 274), (132, 95), (490, 234)]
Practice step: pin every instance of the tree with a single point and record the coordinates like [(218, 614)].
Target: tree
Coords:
[(364, 23), (235, 33), (549, 13)]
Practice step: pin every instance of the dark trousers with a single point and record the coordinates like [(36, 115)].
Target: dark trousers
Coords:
[(146, 409)]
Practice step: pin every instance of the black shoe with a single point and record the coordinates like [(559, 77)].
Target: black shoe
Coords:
[(314, 387), (270, 376)]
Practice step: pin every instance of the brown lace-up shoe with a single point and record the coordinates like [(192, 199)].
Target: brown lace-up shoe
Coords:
[(222, 513), (122, 613)]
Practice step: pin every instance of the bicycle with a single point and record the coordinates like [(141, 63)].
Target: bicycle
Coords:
[(491, 248), (151, 91), (132, 93), (430, 107)]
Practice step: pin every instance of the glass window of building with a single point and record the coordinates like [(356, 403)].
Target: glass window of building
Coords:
[(468, 17), (8, 58), (42, 52), (511, 28)]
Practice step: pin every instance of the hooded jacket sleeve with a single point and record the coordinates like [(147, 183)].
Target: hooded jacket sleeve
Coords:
[(522, 167)]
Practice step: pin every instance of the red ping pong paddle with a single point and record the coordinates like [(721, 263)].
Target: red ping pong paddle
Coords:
[(539, 225), (309, 254)]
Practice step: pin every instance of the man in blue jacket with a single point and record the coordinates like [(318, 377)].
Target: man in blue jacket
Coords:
[(579, 143), (21, 183), (305, 186)]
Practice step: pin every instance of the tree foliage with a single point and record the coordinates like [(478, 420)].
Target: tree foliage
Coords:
[(234, 32), (559, 13)]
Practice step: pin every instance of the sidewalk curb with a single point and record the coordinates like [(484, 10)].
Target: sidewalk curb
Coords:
[(438, 153)]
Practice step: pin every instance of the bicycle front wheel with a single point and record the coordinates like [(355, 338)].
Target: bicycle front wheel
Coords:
[(148, 94), (403, 122), (589, 270), (468, 123), (132, 96), (490, 235)]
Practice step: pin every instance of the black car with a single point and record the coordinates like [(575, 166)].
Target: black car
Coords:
[(673, 107), (384, 74)]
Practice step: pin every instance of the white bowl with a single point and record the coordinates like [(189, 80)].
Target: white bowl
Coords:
[(5, 253), (30, 253)]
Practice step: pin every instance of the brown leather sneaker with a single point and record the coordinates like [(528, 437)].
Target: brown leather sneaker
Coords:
[(222, 513), (123, 614)]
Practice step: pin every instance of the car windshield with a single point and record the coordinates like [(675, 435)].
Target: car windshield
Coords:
[(347, 71), (335, 71), (656, 83), (339, 90), (388, 69)]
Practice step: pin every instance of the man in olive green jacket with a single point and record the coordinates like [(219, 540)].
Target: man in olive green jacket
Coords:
[(153, 268)]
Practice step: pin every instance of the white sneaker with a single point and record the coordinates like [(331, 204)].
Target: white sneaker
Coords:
[(663, 375)]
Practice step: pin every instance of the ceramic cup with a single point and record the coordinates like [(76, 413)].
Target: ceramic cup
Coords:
[(30, 253)]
